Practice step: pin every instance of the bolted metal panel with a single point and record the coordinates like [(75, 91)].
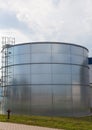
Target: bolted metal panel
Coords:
[(48, 79)]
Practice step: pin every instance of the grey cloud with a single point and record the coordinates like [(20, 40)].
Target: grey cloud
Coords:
[(56, 2), (8, 20), (55, 20)]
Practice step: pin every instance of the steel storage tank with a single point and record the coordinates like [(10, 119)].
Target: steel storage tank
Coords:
[(47, 78), (90, 81)]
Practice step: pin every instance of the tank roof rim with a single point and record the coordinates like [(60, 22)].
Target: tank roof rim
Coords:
[(47, 42)]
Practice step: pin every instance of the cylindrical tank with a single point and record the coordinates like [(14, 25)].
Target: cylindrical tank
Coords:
[(47, 78), (90, 81)]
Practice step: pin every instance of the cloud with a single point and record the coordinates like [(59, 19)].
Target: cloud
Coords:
[(49, 20), (8, 20), (56, 2)]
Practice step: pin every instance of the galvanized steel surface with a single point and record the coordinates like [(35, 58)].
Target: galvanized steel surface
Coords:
[(48, 79)]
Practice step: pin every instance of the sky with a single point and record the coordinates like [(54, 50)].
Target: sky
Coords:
[(47, 20)]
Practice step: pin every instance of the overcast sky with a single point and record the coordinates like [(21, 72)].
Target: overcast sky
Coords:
[(47, 20)]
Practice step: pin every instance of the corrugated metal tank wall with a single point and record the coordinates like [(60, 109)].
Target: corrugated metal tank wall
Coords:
[(90, 81), (48, 78)]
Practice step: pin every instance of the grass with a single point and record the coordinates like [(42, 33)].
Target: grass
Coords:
[(66, 123)]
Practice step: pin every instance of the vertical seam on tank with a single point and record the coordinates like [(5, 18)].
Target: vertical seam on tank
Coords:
[(71, 83), (52, 83)]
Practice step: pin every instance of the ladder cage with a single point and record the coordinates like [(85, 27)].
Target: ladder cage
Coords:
[(6, 55)]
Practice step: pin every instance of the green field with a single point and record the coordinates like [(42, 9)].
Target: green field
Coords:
[(67, 123)]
